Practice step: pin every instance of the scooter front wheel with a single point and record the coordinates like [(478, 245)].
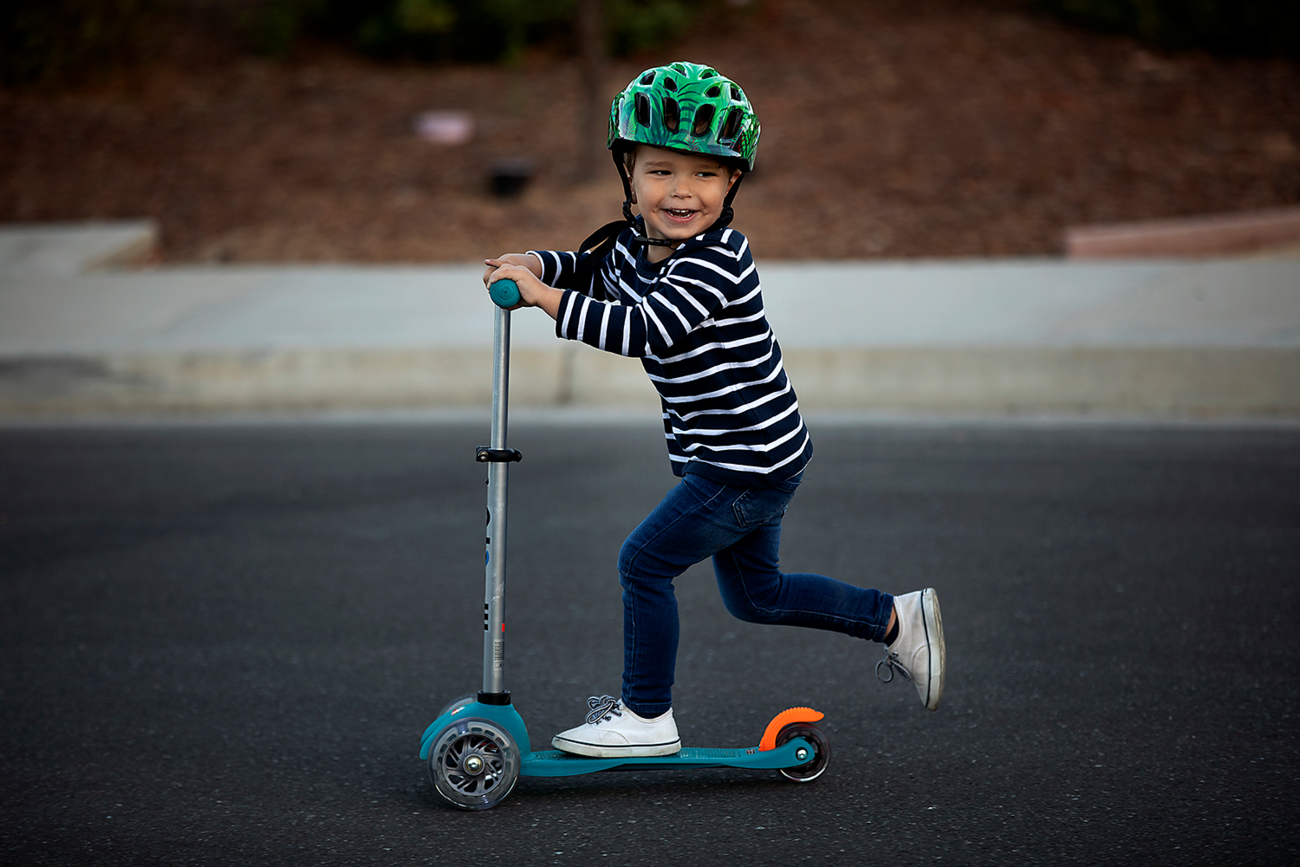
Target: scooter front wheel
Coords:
[(813, 768), (473, 764), (455, 704)]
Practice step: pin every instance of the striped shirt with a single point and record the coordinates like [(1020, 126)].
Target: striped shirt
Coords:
[(697, 323)]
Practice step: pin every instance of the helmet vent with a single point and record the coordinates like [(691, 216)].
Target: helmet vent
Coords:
[(686, 107), (703, 120), (732, 126), (672, 114)]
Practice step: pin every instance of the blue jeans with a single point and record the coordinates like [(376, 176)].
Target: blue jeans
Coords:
[(740, 528)]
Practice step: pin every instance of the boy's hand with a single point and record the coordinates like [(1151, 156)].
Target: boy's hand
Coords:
[(532, 263), (525, 270)]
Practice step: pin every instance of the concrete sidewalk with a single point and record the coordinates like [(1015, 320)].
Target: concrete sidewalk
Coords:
[(1153, 338)]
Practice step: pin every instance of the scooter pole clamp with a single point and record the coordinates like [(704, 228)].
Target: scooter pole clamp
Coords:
[(485, 455)]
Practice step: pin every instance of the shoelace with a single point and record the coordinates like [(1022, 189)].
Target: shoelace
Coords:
[(892, 664), (603, 708)]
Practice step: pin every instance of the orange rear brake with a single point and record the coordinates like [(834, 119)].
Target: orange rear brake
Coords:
[(783, 719)]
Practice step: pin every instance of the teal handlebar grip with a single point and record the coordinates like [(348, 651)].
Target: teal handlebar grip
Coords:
[(505, 293)]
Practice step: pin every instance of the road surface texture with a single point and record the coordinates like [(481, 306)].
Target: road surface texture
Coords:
[(221, 643)]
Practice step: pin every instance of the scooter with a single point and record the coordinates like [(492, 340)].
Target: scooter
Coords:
[(478, 746)]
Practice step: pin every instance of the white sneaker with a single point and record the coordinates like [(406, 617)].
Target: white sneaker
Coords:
[(613, 732), (918, 652)]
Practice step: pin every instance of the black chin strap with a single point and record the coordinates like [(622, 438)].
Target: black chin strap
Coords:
[(727, 215), (637, 237)]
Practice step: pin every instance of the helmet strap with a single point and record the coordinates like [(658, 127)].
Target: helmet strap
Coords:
[(637, 237), (727, 215)]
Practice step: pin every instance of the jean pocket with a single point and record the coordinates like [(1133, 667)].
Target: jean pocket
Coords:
[(760, 506)]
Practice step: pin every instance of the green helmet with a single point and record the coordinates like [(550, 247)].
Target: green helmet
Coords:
[(685, 107)]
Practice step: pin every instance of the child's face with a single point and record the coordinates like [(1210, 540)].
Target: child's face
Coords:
[(680, 195)]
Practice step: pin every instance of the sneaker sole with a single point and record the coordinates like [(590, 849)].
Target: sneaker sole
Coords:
[(934, 636), (598, 751)]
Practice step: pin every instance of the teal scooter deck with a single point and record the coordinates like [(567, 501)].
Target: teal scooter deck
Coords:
[(470, 717), (554, 763)]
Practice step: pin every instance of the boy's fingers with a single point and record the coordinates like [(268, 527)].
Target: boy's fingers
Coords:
[(508, 271), (494, 265)]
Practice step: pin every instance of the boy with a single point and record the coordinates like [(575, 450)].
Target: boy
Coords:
[(677, 288)]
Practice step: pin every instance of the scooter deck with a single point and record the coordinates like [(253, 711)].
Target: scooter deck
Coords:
[(554, 763)]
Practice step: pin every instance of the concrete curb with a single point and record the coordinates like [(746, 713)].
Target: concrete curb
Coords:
[(1165, 339), (1210, 235), (68, 249), (1157, 381)]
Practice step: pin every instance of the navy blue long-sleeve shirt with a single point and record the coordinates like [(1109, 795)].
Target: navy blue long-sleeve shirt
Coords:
[(696, 322)]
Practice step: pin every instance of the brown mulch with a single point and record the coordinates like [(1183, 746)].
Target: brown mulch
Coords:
[(927, 128)]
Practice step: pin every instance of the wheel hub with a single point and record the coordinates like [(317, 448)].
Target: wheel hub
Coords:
[(473, 764)]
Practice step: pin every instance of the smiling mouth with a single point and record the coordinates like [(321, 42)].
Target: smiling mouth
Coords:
[(680, 213)]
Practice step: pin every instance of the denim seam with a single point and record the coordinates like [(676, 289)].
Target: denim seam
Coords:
[(669, 526), (828, 617), (632, 563)]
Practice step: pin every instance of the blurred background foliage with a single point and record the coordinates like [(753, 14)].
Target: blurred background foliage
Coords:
[(46, 41), (461, 30), (50, 41), (1249, 27)]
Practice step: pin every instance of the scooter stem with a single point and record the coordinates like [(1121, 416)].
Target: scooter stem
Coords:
[(494, 626)]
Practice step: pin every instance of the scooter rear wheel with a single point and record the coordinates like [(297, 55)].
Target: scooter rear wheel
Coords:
[(473, 764), (813, 769)]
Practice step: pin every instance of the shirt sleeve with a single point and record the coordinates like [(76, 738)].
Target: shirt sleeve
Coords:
[(558, 269), (695, 285)]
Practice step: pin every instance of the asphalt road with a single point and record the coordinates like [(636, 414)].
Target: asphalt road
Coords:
[(221, 645)]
